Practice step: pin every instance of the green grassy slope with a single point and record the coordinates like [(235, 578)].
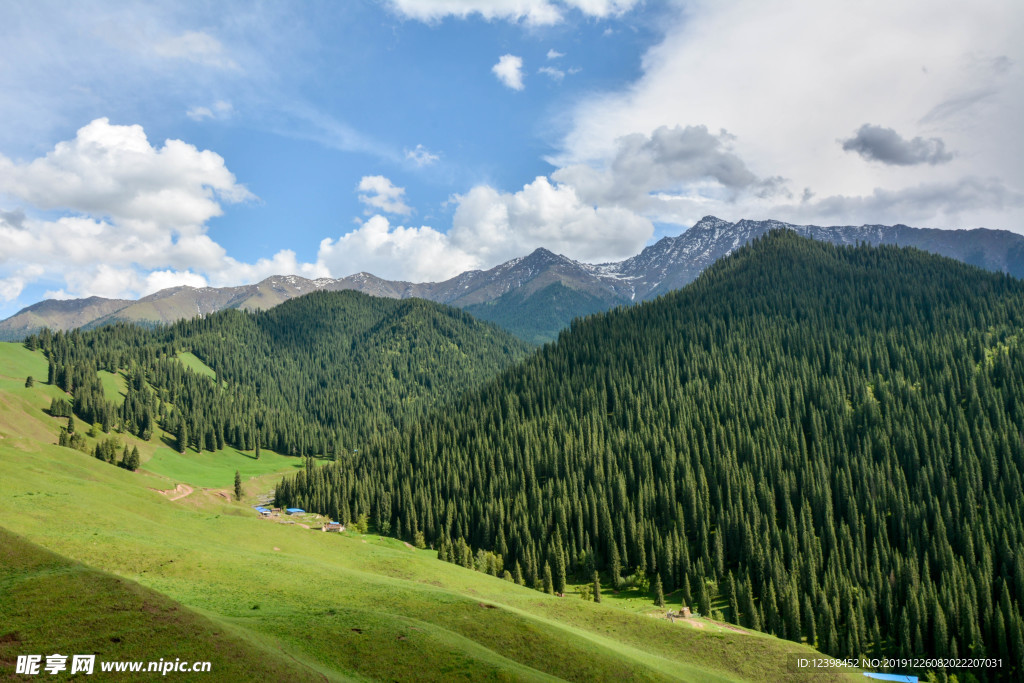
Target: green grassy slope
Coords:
[(344, 605), (217, 469), (115, 386), (192, 362), (213, 470), (49, 604)]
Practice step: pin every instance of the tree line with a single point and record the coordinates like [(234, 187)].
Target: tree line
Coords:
[(318, 375), (827, 442)]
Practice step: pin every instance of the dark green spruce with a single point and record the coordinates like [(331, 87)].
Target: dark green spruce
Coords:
[(839, 429), (325, 374)]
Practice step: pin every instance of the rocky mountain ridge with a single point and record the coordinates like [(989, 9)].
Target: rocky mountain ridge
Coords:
[(500, 293)]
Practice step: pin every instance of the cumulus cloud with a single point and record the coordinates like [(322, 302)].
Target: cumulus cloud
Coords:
[(875, 143), (488, 228), (509, 71), (421, 156), (195, 46), (531, 12), (112, 171), (164, 279), (670, 168), (555, 54), (220, 109), (134, 216), (395, 252), (379, 193), (233, 272), (497, 226)]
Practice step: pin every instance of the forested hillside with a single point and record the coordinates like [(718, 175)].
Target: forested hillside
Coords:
[(539, 317), (829, 439), (320, 374)]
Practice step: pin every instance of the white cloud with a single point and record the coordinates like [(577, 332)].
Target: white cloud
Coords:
[(112, 171), (197, 47), (532, 12), (489, 227), (509, 71), (931, 70), (164, 279), (381, 194), (413, 254), (106, 280), (940, 205), (421, 156), (552, 73), (135, 216), (232, 272), (555, 54), (12, 285), (220, 110), (496, 226), (602, 8)]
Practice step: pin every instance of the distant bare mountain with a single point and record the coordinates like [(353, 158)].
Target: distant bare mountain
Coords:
[(673, 262), (58, 314), (534, 296), (176, 303)]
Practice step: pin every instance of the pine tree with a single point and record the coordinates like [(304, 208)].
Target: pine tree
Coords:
[(71, 424), (559, 570), (29, 382), (703, 599), (734, 603), (238, 485), (687, 597), (616, 569), (809, 621), (770, 605), (182, 435), (791, 616), (659, 594), (597, 587), (548, 583), (751, 616)]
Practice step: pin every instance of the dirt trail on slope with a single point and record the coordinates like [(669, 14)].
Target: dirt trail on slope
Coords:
[(179, 491)]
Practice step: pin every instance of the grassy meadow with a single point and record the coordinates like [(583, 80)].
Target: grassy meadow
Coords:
[(336, 606)]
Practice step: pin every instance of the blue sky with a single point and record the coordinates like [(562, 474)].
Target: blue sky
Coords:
[(155, 144)]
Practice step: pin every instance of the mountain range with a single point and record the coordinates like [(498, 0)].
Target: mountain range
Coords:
[(534, 296)]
